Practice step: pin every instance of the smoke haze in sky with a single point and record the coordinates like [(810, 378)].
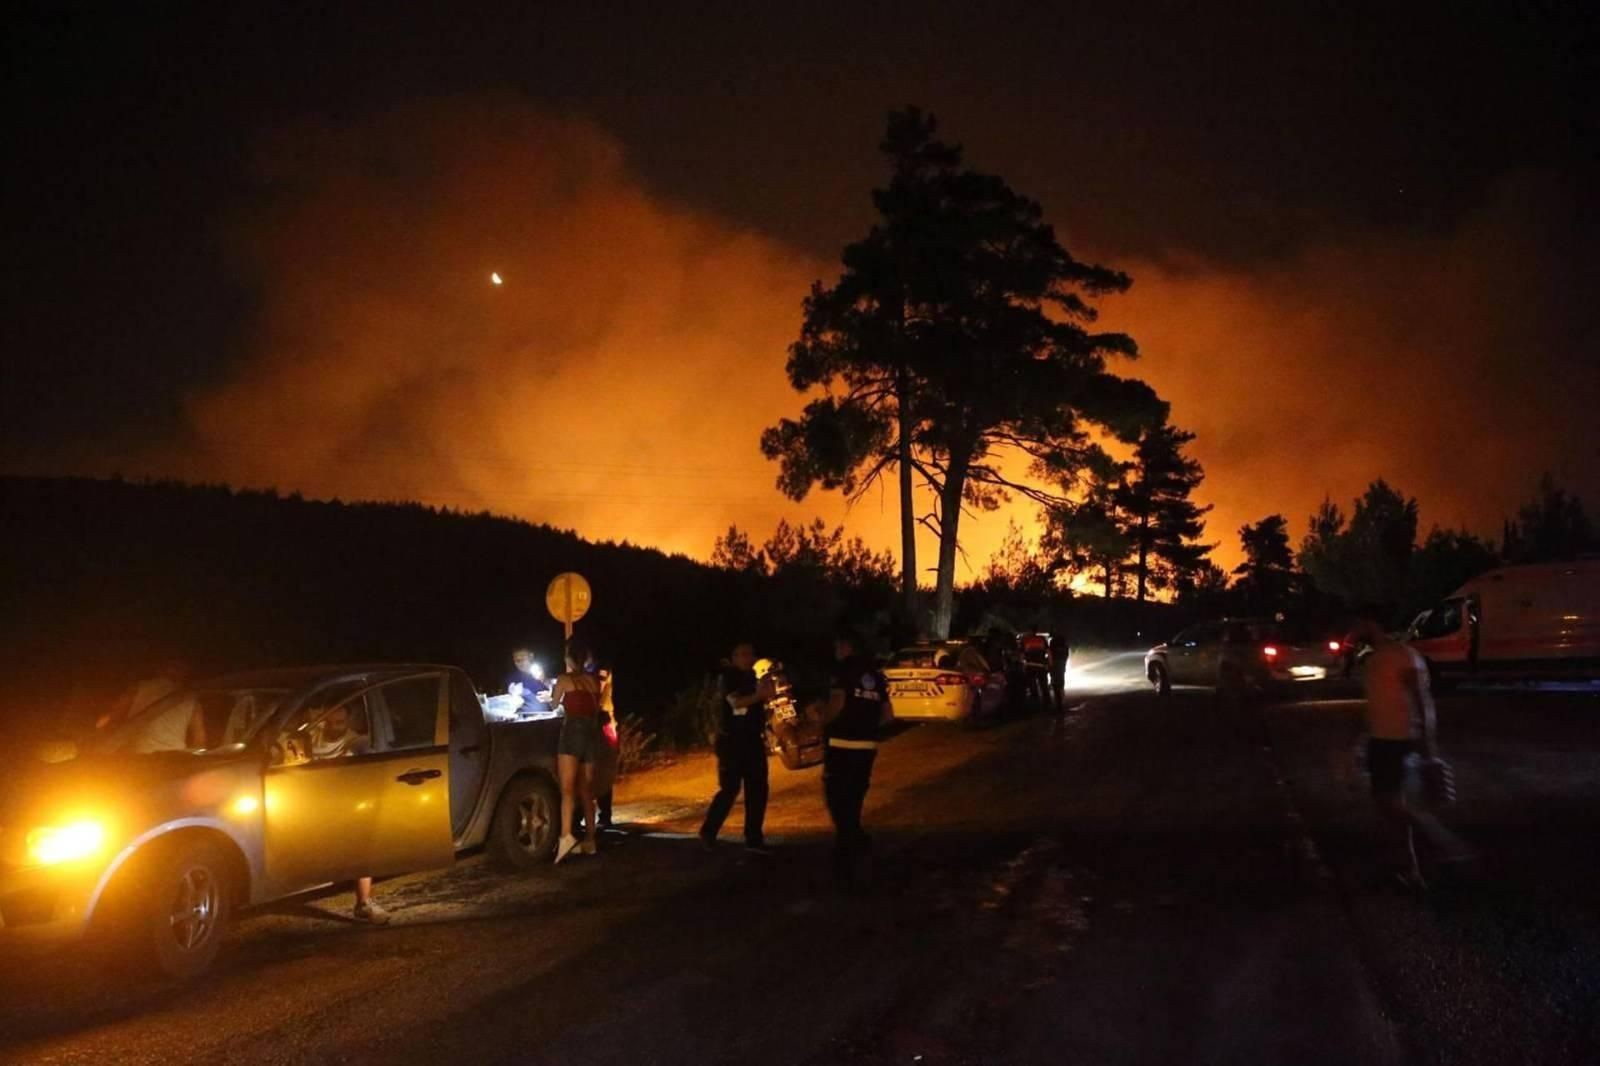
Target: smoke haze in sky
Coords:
[(618, 382)]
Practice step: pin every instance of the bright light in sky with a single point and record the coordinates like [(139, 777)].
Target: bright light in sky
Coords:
[(496, 279)]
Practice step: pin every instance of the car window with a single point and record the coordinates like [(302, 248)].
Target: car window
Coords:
[(332, 724), (1442, 621), (912, 657), (972, 662), (197, 719), (408, 713), (1254, 632)]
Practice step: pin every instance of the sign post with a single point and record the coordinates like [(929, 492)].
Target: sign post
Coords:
[(568, 599)]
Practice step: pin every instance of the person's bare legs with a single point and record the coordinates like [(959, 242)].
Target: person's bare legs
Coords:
[(1400, 855), (365, 909), (567, 768), (1444, 845), (591, 815)]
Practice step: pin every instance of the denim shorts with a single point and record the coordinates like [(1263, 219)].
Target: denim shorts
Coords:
[(580, 738), (1386, 764)]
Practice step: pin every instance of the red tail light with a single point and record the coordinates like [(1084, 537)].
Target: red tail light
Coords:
[(978, 680), (1334, 645), (1270, 651), (950, 679)]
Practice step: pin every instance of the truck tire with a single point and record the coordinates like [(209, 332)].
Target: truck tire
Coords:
[(527, 824), (175, 908), (1160, 680)]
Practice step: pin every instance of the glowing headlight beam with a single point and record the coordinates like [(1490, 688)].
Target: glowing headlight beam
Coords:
[(52, 844)]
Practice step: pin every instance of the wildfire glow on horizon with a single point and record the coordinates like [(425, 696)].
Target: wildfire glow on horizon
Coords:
[(623, 396)]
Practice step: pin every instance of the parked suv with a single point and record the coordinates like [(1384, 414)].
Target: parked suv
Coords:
[(1234, 653)]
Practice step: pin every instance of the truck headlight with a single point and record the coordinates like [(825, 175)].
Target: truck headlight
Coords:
[(52, 844)]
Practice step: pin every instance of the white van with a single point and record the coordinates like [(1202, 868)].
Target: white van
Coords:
[(1537, 620)]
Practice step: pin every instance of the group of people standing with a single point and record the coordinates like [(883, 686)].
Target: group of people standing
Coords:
[(583, 692), (853, 719)]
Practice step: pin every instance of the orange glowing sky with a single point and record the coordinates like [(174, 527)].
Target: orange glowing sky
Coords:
[(618, 380)]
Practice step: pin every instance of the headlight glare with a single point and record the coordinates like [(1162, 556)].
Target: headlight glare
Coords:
[(52, 844)]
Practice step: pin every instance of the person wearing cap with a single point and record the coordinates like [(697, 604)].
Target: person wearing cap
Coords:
[(858, 708), (741, 750)]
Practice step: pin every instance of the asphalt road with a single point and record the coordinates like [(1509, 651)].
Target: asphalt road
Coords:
[(1141, 881)]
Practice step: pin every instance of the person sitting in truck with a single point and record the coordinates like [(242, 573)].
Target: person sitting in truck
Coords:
[(335, 737)]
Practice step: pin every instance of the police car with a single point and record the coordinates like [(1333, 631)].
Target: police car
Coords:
[(948, 681)]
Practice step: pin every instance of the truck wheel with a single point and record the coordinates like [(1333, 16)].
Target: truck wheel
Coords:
[(182, 899), (1159, 679), (526, 824)]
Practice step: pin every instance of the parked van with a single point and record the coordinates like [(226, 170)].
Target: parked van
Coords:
[(1538, 620)]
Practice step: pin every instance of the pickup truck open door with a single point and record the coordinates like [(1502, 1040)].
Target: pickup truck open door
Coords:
[(360, 786)]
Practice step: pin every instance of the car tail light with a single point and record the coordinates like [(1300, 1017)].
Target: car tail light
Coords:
[(1334, 645), (1270, 651), (950, 679), (978, 680)]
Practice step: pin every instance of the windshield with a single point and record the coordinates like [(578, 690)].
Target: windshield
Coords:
[(927, 658), (195, 720)]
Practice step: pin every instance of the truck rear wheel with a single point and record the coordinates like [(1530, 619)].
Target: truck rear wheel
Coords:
[(527, 823)]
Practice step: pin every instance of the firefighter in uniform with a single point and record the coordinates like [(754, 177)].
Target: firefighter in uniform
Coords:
[(741, 751), (858, 708)]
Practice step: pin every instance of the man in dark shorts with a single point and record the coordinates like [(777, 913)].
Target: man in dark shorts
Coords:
[(741, 751), (1400, 722), (858, 708)]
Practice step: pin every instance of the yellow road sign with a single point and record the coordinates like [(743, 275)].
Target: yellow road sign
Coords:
[(568, 599)]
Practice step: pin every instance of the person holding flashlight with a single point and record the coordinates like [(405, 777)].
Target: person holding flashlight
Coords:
[(741, 750), (527, 680)]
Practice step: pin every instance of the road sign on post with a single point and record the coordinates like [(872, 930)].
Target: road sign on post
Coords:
[(568, 599)]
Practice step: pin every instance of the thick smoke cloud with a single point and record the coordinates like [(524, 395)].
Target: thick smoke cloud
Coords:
[(618, 381), (1458, 366)]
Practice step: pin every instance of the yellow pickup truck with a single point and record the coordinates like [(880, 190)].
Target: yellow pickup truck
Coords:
[(249, 788)]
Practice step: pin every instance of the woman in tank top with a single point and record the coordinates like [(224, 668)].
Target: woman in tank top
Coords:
[(578, 696)]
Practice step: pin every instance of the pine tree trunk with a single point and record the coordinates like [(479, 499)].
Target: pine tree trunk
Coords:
[(1144, 555), (949, 523), (908, 516)]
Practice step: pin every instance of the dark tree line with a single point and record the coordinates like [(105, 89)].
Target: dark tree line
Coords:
[(103, 581), (1370, 561)]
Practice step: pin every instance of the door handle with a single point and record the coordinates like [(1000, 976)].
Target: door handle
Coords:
[(417, 777)]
